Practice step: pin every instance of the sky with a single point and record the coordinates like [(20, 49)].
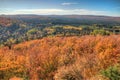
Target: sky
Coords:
[(60, 7)]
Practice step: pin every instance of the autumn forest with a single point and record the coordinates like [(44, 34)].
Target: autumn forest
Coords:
[(73, 47)]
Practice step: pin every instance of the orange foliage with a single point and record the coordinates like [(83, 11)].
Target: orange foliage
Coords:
[(45, 58)]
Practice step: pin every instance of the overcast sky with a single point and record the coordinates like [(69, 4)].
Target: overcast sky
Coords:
[(61, 7)]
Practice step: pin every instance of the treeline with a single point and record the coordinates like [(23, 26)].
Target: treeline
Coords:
[(63, 58)]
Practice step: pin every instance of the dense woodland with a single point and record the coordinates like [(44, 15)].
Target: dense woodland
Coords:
[(63, 58), (20, 28), (53, 47)]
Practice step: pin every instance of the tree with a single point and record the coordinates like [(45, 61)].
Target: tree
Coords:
[(9, 42), (100, 32)]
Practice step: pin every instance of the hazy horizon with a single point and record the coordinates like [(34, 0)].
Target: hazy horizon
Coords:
[(54, 15), (62, 7)]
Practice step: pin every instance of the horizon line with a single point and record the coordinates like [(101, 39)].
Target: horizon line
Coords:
[(56, 15)]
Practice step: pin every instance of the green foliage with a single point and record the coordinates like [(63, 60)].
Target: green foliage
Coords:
[(32, 31), (100, 32), (113, 73)]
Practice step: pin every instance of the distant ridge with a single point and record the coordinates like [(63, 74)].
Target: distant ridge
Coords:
[(90, 19)]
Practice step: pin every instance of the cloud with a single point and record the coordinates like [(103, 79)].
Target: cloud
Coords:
[(39, 11), (55, 12), (67, 4)]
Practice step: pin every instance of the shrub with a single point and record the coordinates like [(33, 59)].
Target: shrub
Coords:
[(69, 73), (113, 73)]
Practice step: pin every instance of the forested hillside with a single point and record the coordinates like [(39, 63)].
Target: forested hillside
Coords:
[(63, 58), (67, 47), (15, 29)]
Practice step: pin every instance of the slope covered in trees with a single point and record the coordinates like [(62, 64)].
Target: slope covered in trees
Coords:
[(6, 22), (66, 47), (63, 58), (15, 29)]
